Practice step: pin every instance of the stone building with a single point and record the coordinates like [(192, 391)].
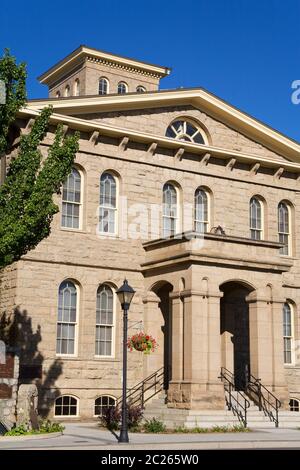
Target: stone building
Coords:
[(196, 203)]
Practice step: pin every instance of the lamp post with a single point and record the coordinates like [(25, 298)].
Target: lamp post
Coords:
[(125, 294)]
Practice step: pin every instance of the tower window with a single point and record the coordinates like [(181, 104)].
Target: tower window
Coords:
[(122, 88), (103, 86)]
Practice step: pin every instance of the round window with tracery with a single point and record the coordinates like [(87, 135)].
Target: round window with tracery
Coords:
[(185, 130)]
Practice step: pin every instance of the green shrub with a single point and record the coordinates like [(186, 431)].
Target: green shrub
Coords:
[(19, 431), (153, 425), (45, 427)]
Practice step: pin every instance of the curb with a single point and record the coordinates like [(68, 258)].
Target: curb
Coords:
[(30, 437)]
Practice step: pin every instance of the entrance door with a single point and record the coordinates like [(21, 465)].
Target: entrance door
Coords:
[(235, 332), (166, 309)]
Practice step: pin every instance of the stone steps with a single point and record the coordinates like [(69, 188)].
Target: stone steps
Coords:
[(175, 417)]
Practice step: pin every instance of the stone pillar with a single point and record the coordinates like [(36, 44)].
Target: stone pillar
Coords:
[(199, 387), (177, 337), (153, 324), (266, 343)]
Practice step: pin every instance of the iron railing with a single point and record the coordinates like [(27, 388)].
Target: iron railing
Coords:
[(144, 390), (263, 398), (236, 402)]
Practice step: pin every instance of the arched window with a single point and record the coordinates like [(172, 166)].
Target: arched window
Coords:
[(288, 333), (67, 91), (201, 211), (256, 219), (71, 200), (185, 130), (67, 318), (108, 204), (140, 89), (294, 404), (105, 401), (104, 321), (76, 87), (284, 230), (66, 406), (170, 210), (57, 95), (122, 88), (103, 86)]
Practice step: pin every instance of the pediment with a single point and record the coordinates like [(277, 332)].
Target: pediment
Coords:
[(268, 142)]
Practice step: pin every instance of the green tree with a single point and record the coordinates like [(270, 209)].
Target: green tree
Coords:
[(26, 196)]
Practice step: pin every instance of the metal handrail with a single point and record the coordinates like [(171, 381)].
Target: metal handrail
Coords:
[(264, 399), (238, 403), (137, 394)]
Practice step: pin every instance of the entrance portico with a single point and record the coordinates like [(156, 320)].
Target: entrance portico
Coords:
[(219, 312)]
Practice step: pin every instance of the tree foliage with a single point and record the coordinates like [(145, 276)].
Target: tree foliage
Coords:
[(26, 196)]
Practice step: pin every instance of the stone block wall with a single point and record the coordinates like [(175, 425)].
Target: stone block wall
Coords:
[(9, 375)]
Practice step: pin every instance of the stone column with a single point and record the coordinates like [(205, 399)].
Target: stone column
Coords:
[(177, 337), (199, 387), (266, 343), (153, 323)]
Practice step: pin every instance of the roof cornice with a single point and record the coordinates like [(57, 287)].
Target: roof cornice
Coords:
[(188, 147), (197, 97), (83, 53)]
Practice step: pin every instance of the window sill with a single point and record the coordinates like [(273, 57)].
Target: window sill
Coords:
[(66, 417), (73, 230), (108, 235), (67, 356), (106, 359)]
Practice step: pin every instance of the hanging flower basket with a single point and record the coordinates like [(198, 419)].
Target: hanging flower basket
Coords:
[(142, 342)]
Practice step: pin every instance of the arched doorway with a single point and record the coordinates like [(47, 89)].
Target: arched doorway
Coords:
[(162, 290), (234, 329)]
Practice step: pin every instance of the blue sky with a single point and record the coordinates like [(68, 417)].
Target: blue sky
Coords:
[(244, 51)]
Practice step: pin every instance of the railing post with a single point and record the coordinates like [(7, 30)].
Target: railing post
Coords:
[(259, 396), (230, 402), (143, 393)]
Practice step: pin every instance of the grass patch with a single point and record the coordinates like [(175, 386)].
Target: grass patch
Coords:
[(46, 427), (215, 429)]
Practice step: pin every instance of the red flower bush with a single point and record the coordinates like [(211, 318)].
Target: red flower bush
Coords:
[(142, 342)]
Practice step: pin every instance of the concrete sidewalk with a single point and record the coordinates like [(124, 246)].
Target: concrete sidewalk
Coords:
[(89, 436)]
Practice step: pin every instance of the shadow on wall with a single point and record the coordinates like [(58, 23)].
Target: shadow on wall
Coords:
[(16, 331)]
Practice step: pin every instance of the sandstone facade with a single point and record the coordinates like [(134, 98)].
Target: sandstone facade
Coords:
[(180, 283)]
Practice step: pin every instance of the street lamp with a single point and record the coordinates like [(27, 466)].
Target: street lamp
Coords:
[(125, 294)]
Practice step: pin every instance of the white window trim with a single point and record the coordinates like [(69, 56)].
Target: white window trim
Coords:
[(113, 334), (68, 416), (67, 91), (116, 210), (178, 211), (80, 204), (99, 396), (292, 337), (143, 89), (107, 88), (289, 234), (126, 87), (208, 208), (75, 354), (298, 400), (193, 123), (262, 229), (76, 89)]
